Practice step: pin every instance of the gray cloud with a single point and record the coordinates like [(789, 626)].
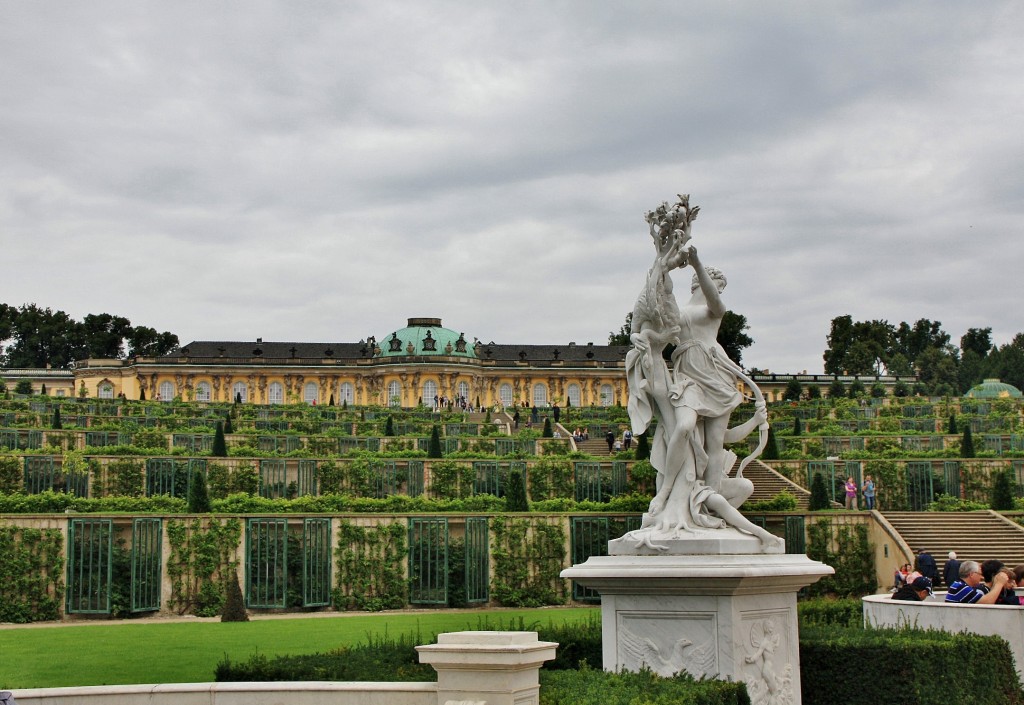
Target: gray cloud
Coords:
[(323, 171)]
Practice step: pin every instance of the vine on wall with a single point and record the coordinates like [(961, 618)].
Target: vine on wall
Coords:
[(31, 574), (849, 553), (528, 556), (201, 561), (370, 564)]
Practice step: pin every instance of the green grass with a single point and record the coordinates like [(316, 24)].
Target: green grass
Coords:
[(111, 653)]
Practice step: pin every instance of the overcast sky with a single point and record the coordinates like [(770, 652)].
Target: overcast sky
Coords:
[(322, 171)]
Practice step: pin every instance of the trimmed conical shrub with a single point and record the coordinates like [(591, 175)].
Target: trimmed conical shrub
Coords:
[(797, 426), (220, 446), (234, 604), (515, 493), (771, 446), (198, 496), (389, 427), (1002, 491), (967, 444), (952, 429), (56, 419), (548, 433), (435, 443), (819, 494)]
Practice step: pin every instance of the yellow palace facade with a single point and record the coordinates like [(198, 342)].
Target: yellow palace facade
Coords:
[(417, 364)]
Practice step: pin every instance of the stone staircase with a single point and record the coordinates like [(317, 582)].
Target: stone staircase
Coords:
[(768, 483), (975, 536)]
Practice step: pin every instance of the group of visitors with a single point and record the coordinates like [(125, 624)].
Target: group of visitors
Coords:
[(967, 582), (581, 434), (867, 489), (459, 402)]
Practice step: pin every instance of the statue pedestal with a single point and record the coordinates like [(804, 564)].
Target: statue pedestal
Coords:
[(725, 616)]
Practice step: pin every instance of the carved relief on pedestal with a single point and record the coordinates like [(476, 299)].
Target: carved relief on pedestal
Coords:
[(768, 673), (669, 643)]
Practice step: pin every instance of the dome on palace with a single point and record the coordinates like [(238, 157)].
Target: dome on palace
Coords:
[(994, 389), (423, 337)]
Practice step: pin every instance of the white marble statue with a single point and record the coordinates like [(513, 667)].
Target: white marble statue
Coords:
[(692, 398)]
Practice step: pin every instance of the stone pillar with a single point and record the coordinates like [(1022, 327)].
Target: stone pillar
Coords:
[(496, 668), (722, 614)]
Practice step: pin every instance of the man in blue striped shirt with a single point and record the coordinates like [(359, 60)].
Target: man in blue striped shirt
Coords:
[(968, 589)]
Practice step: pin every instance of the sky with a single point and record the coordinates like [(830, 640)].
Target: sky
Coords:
[(323, 171)]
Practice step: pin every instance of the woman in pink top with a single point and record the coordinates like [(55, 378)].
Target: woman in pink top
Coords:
[(851, 493)]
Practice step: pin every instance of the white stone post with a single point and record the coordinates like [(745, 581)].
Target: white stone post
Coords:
[(492, 668)]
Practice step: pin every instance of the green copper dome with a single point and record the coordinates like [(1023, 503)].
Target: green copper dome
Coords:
[(425, 336), (994, 389)]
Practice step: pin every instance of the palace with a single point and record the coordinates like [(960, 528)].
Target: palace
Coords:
[(407, 367)]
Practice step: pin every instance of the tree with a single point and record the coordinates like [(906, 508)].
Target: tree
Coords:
[(620, 338), (234, 604), (434, 450), (967, 444), (142, 394), (771, 446), (731, 335), (56, 423), (389, 427), (877, 390), (228, 426), (836, 390), (198, 496), (819, 494), (23, 386), (797, 426), (1002, 491), (900, 389), (856, 389), (147, 342), (643, 447), (976, 340), (857, 348), (813, 391), (547, 433), (220, 447), (911, 341), (951, 429), (515, 494), (105, 334), (794, 390)]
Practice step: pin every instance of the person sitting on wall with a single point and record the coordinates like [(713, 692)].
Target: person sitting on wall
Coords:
[(967, 590), (917, 591), (899, 578)]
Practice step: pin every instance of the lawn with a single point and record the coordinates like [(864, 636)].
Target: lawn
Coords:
[(110, 653)]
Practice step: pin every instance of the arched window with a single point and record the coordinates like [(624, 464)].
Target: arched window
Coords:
[(464, 391), (275, 393), (166, 391), (311, 393), (394, 393), (203, 391), (429, 392), (105, 391), (240, 392), (348, 393), (573, 394), (540, 395), (607, 395), (505, 394)]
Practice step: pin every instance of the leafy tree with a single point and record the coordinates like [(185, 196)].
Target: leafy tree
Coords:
[(813, 391), (900, 389), (911, 341), (105, 334), (856, 389), (23, 387), (620, 338), (731, 335), (1002, 491), (515, 495), (1006, 362), (434, 451), (147, 342), (220, 447), (198, 496), (857, 348), (877, 390), (794, 390), (819, 494), (836, 390), (937, 367), (976, 340), (967, 444)]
